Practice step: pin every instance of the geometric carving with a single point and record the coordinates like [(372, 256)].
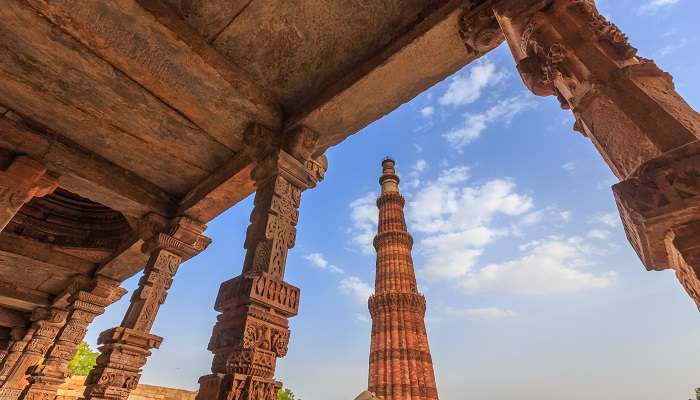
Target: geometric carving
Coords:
[(252, 331), (47, 324), (85, 305)]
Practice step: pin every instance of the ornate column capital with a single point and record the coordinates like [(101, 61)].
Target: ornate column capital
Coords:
[(479, 29), (22, 180)]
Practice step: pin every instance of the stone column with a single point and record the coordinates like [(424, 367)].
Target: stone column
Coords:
[(19, 337), (48, 322), (630, 110), (252, 330), (85, 305), (23, 179), (124, 349)]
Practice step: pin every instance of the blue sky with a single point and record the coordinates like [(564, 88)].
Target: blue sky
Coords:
[(533, 291)]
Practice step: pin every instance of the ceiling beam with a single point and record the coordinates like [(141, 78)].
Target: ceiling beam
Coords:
[(22, 299), (10, 318), (426, 54), (43, 256), (83, 172), (148, 42)]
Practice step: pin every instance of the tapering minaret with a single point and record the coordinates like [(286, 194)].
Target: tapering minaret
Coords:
[(400, 366)]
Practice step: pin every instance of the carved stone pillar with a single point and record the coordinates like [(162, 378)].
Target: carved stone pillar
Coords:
[(85, 305), (48, 322), (19, 339), (632, 113), (124, 349), (252, 330), (23, 179)]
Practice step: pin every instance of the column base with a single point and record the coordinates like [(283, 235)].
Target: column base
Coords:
[(123, 353), (237, 387)]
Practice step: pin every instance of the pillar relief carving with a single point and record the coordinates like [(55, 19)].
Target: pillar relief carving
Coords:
[(46, 326), (19, 337), (125, 349), (23, 179), (86, 304), (252, 330), (630, 110)]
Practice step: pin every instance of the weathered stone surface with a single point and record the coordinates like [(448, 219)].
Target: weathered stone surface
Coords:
[(400, 365)]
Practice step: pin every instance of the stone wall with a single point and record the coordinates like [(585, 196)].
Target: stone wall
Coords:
[(73, 389)]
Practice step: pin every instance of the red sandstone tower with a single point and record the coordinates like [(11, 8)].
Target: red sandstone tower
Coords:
[(400, 366)]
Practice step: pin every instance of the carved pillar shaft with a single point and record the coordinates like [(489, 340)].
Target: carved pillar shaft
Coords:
[(48, 323), (252, 330), (20, 338), (629, 108), (85, 305), (22, 180), (124, 349)]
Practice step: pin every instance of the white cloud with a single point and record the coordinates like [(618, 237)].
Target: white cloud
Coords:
[(356, 288), (466, 88), (362, 318), (319, 261), (364, 216), (551, 266), (414, 175), (455, 220), (488, 313), (600, 234), (569, 166), (476, 124), (653, 6), (427, 112), (611, 219), (673, 47), (566, 215)]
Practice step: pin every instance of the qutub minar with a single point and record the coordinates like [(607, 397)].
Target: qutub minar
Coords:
[(400, 365)]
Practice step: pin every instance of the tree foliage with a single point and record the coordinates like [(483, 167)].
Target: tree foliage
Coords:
[(286, 394), (84, 360)]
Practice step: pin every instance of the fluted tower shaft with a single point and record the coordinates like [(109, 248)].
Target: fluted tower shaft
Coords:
[(400, 365)]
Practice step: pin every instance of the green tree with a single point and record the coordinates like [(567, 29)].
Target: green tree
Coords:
[(84, 360), (286, 394)]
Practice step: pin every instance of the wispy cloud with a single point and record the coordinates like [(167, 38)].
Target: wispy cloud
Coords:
[(653, 6), (476, 123), (467, 87), (487, 313), (610, 218), (319, 261), (363, 216), (569, 167), (427, 112), (673, 47), (357, 288)]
